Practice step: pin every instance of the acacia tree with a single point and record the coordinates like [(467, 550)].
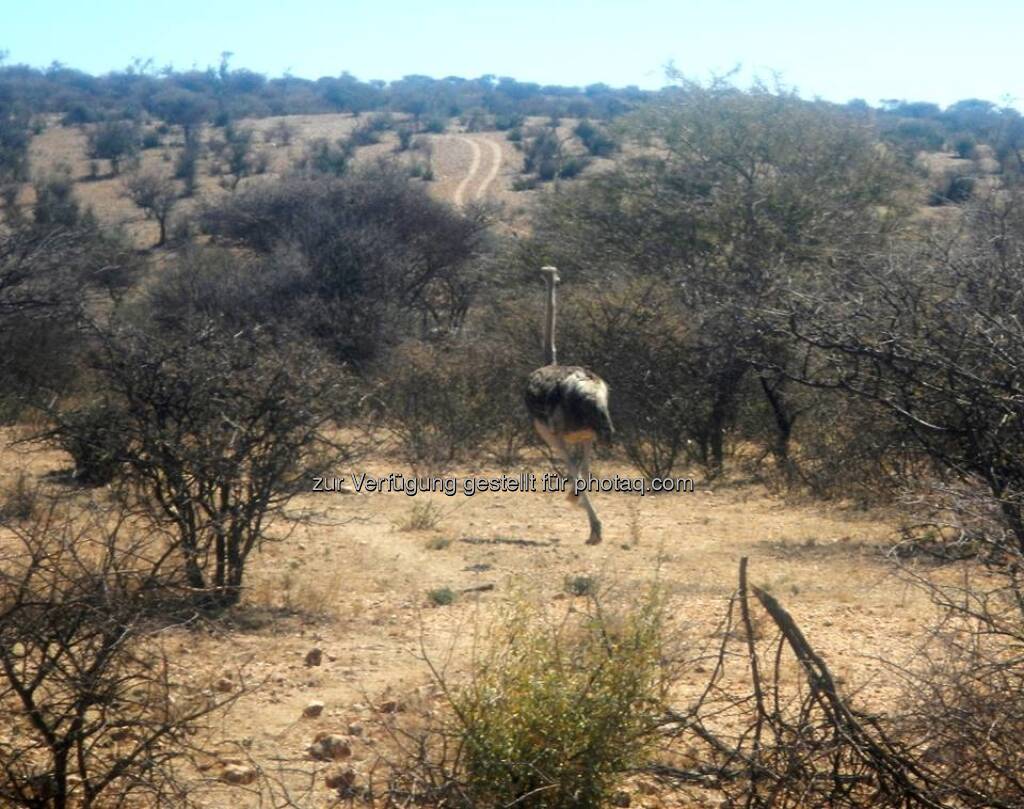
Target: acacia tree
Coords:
[(738, 194), (156, 195), (933, 334), (211, 433), (184, 108)]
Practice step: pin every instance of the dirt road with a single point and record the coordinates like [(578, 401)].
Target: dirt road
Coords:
[(474, 169)]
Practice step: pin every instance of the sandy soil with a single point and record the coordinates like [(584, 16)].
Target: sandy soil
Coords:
[(353, 582)]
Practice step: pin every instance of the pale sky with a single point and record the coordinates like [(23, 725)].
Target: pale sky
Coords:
[(930, 51)]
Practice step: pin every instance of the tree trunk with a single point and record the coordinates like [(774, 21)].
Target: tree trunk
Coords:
[(220, 555), (726, 387), (193, 573), (60, 778), (783, 426)]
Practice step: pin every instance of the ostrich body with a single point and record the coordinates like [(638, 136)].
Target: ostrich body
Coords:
[(569, 408)]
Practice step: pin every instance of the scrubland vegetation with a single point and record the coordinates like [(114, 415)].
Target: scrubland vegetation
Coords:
[(822, 301)]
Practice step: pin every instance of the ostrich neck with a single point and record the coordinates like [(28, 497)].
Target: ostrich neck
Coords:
[(549, 326)]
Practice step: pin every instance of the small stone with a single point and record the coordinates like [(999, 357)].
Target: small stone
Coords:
[(329, 747), (315, 656), (238, 774), (341, 779), (225, 685), (355, 729), (313, 709), (621, 798)]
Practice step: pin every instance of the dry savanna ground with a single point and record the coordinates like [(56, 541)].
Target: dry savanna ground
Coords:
[(353, 579), (468, 167)]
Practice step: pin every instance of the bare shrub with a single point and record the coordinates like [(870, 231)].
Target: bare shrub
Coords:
[(280, 133), (210, 432), (929, 333), (773, 726), (405, 136), (963, 701), (323, 157), (88, 706), (186, 167), (847, 449), (964, 145), (14, 164), (449, 401), (598, 142), (240, 159), (952, 188), (788, 737), (56, 204), (240, 292), (93, 437), (114, 141), (368, 132), (19, 499), (547, 158), (663, 383)]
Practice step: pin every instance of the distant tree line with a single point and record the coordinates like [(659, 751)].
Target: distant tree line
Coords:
[(915, 126), (221, 93)]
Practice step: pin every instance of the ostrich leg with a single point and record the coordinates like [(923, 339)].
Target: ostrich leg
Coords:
[(595, 523), (559, 447)]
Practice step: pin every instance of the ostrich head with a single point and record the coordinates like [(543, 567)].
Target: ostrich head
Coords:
[(550, 275)]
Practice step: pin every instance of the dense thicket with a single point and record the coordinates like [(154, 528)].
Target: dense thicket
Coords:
[(739, 197), (49, 272), (931, 332), (360, 261)]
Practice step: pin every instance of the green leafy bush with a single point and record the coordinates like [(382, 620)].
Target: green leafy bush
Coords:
[(562, 708), (441, 596)]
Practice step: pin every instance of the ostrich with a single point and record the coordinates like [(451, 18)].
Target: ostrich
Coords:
[(569, 407)]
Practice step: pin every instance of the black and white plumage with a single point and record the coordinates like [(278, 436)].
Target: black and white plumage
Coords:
[(571, 401), (569, 408)]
